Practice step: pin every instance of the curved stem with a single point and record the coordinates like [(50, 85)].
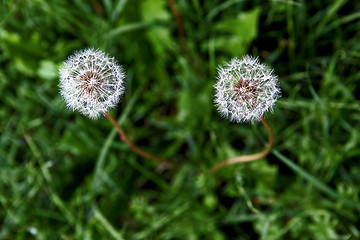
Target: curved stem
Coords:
[(165, 163), (252, 157)]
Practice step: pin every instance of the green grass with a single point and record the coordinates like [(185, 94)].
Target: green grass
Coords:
[(64, 176)]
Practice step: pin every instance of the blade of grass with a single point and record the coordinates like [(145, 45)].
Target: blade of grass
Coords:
[(118, 9), (221, 7), (129, 28), (290, 104), (316, 182), (47, 177), (342, 21), (107, 225), (150, 175), (334, 8)]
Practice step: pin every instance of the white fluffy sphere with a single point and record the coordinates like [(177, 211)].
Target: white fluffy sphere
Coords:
[(91, 82), (245, 89)]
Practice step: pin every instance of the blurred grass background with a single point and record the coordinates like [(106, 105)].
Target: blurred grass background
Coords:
[(64, 176)]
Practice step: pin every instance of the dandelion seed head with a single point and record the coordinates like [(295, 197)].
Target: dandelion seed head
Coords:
[(91, 82), (245, 90)]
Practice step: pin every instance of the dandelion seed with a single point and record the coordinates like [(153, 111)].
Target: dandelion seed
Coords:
[(245, 90), (91, 82)]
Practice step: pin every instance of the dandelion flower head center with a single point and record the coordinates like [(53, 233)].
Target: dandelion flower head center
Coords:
[(90, 82), (244, 91)]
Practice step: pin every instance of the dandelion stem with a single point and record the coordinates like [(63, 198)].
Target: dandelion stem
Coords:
[(164, 164), (249, 158)]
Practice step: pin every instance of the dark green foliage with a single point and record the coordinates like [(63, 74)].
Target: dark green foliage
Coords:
[(64, 176)]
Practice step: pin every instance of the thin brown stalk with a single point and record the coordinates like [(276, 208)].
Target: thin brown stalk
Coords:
[(177, 19), (252, 157), (164, 164), (181, 31)]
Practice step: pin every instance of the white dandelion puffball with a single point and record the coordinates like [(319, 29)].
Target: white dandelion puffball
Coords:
[(245, 89), (91, 82)]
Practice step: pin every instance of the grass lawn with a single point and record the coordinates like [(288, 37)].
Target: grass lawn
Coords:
[(66, 176)]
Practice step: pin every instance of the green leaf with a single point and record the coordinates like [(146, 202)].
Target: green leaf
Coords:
[(47, 70), (234, 35), (26, 52)]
